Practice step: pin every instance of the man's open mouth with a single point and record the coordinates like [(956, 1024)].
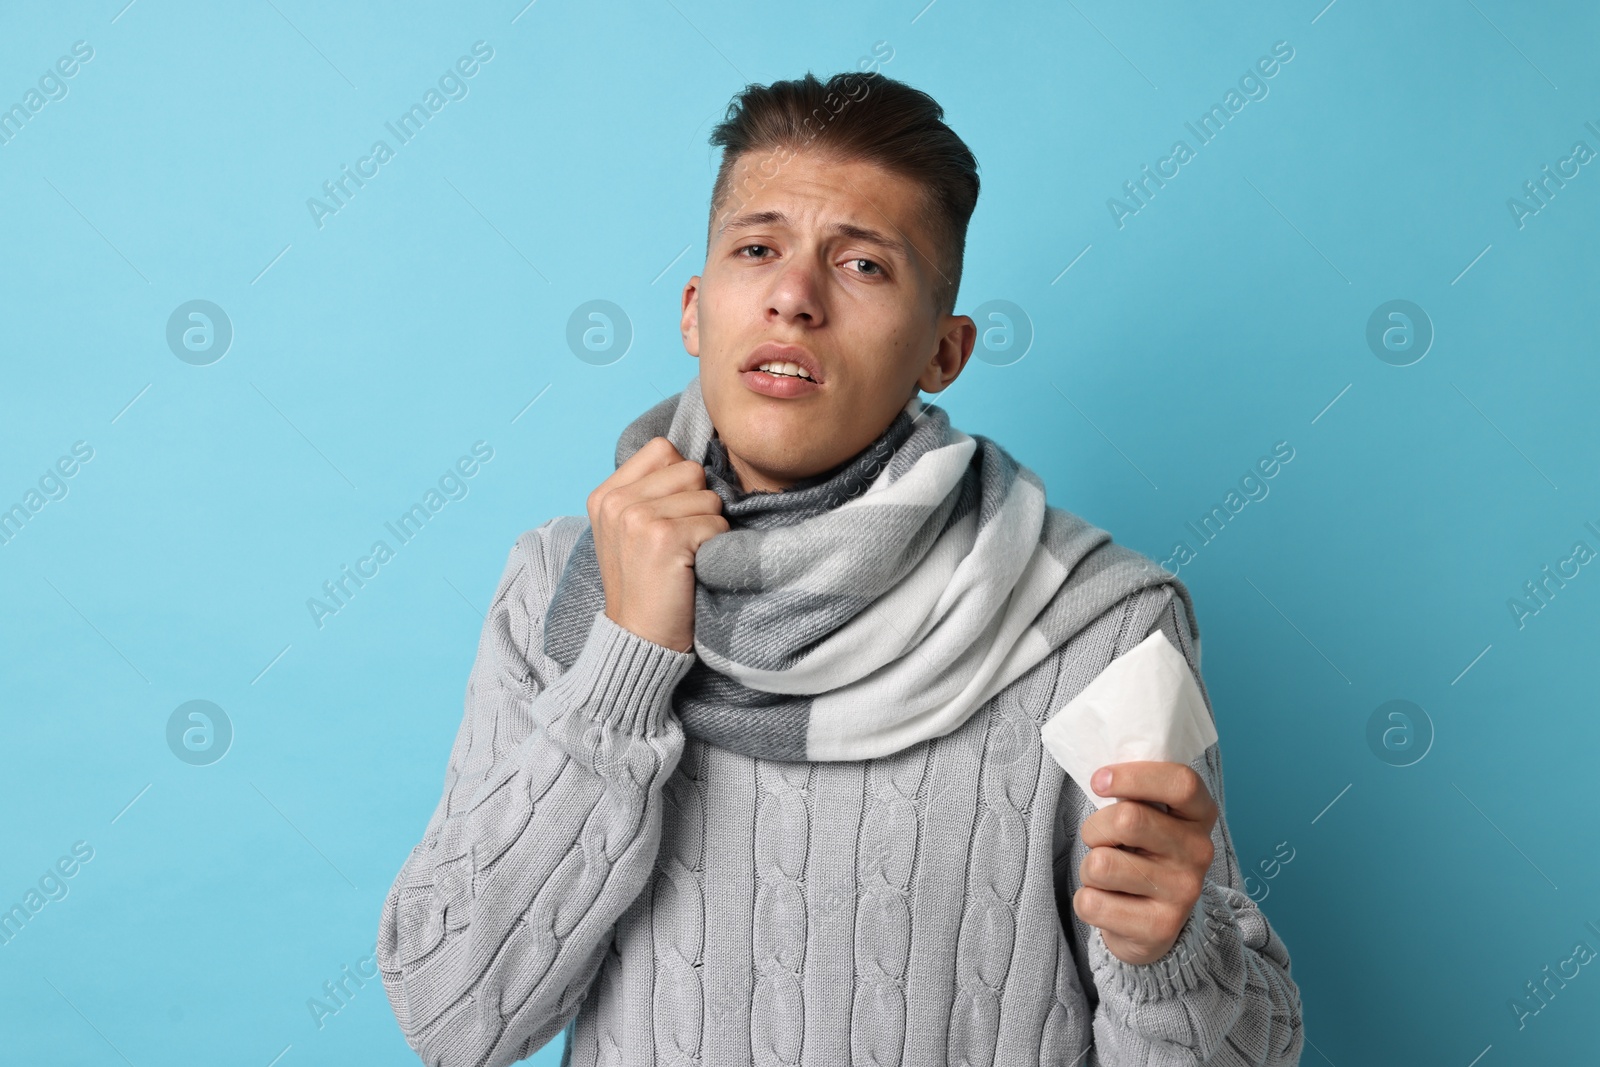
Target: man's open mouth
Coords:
[(778, 368)]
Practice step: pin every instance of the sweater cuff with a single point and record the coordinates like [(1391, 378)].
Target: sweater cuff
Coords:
[(1210, 930), (622, 680)]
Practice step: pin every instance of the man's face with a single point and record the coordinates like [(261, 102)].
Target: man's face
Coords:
[(833, 259)]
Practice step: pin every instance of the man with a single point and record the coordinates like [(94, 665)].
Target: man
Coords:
[(751, 767)]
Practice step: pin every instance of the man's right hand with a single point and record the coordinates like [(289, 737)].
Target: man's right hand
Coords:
[(649, 518)]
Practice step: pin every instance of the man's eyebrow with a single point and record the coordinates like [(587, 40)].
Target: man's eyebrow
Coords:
[(851, 230)]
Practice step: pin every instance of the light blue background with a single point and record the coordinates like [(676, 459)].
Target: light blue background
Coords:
[(1228, 314)]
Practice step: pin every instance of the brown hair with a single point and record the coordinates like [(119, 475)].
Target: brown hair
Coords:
[(854, 117)]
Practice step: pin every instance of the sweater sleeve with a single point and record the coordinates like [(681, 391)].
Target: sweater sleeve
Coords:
[(547, 832), (1223, 994)]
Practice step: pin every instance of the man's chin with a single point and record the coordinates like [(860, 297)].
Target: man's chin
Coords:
[(776, 454), (774, 428)]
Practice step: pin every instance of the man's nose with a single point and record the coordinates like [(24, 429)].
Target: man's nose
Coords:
[(797, 292)]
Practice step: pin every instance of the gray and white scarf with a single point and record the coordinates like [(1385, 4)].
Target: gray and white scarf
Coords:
[(874, 606)]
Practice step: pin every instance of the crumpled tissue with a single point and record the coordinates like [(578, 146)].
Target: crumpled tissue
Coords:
[(1143, 706)]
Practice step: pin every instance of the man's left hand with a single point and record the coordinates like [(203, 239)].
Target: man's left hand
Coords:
[(1146, 866)]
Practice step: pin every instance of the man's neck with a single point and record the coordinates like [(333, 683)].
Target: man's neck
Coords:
[(753, 481)]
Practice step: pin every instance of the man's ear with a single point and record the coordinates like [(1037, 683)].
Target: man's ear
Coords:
[(689, 324), (951, 355)]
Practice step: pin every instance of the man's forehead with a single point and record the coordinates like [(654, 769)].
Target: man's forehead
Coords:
[(826, 218), (809, 192)]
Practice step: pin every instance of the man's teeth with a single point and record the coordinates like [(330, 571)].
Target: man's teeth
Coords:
[(790, 369)]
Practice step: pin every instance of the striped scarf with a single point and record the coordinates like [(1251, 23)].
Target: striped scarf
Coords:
[(874, 606)]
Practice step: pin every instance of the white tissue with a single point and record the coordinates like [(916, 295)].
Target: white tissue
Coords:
[(1144, 706)]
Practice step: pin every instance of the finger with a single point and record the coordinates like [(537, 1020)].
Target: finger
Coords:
[(1140, 920), (612, 497), (653, 455), (702, 528), (1120, 871), (1133, 824), (1161, 782), (681, 505)]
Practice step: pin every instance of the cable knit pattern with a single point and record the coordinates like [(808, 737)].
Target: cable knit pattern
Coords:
[(678, 932), (592, 870), (778, 935), (886, 857), (997, 852)]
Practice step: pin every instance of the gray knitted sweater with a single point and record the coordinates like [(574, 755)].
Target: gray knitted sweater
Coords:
[(592, 869)]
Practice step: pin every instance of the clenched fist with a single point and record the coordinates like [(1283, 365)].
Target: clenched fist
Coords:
[(649, 518)]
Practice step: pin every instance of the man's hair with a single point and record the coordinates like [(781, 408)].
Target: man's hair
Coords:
[(854, 117)]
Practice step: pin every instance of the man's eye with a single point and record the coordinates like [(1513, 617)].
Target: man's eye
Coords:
[(746, 248), (876, 269)]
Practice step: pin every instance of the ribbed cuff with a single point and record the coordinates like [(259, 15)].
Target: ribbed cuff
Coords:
[(623, 680), (1184, 967)]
